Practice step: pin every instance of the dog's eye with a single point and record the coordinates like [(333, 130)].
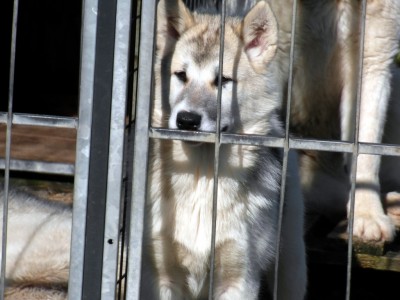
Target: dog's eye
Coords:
[(224, 80), (181, 75)]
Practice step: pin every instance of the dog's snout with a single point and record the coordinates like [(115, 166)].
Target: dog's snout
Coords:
[(188, 120)]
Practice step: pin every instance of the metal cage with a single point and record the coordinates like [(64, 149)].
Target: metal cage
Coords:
[(113, 133)]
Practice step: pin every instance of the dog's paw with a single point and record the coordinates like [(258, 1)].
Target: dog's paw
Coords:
[(370, 221), (373, 227)]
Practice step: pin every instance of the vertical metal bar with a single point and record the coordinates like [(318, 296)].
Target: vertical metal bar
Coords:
[(88, 51), (116, 149), (217, 146), (286, 149), (99, 149), (353, 175), (141, 148), (8, 148), (133, 61)]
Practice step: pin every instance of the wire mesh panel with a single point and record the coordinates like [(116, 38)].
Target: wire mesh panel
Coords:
[(288, 142), (141, 154)]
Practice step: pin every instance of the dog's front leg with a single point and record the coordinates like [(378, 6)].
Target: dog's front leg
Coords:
[(380, 45), (162, 278), (370, 221), (236, 278)]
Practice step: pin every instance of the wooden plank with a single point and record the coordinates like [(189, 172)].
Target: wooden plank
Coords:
[(327, 245), (388, 262), (40, 143)]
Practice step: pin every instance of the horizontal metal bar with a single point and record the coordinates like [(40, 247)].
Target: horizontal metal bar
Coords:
[(379, 149), (40, 120), (256, 140), (39, 167), (320, 145), (267, 141), (195, 136), (209, 137), (346, 147)]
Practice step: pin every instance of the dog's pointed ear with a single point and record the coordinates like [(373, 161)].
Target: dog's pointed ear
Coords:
[(173, 18), (260, 35)]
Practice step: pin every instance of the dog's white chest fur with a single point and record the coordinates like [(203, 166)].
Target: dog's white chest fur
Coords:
[(193, 221)]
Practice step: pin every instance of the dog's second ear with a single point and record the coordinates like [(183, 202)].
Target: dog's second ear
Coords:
[(173, 18), (260, 35)]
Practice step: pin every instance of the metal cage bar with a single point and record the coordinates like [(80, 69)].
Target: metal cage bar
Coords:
[(141, 146), (8, 148), (355, 150), (286, 148), (103, 82), (37, 166), (40, 120), (115, 159), (89, 29), (217, 145), (294, 143)]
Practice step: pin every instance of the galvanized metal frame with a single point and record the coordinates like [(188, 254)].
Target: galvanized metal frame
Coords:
[(141, 146), (116, 148), (88, 52)]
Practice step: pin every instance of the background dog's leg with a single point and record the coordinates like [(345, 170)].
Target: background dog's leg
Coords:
[(381, 43), (389, 173), (347, 37)]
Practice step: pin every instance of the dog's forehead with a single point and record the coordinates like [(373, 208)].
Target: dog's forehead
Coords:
[(201, 42)]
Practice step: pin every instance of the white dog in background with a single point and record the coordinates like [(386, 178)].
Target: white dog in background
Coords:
[(325, 82), (324, 96), (38, 247)]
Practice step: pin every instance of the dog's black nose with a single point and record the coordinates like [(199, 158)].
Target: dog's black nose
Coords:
[(186, 120)]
